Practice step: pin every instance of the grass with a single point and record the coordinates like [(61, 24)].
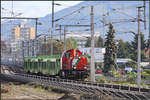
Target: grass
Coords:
[(103, 79), (12, 85), (28, 90)]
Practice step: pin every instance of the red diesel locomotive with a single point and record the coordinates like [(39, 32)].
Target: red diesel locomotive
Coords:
[(74, 64)]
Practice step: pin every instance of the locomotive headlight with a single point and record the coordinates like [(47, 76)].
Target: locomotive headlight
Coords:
[(74, 67), (85, 67)]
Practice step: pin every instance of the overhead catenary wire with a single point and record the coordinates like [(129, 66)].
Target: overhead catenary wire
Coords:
[(12, 7), (123, 13), (70, 13), (76, 12), (128, 7), (122, 20)]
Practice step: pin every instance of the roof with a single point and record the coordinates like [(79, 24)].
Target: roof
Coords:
[(144, 63), (123, 60)]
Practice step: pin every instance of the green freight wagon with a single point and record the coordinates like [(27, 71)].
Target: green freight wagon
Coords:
[(47, 65)]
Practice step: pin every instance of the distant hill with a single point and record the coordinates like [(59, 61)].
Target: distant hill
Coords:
[(83, 17)]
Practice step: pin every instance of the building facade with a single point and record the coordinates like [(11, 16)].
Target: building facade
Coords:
[(23, 32)]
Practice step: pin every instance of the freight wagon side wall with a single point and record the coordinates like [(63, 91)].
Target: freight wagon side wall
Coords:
[(28, 65), (47, 65)]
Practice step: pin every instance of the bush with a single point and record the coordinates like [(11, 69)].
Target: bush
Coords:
[(131, 78), (148, 71), (145, 75), (132, 64), (101, 79)]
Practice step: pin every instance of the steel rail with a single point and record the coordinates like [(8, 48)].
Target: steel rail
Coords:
[(84, 87)]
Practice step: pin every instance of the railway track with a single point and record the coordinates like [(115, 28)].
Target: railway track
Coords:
[(99, 89)]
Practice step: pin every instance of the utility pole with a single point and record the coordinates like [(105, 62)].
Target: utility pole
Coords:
[(139, 50), (45, 46), (60, 31), (23, 49), (36, 46), (64, 38), (32, 42), (52, 27), (103, 29), (39, 49), (149, 45), (144, 15), (36, 19), (92, 67), (28, 45), (149, 37)]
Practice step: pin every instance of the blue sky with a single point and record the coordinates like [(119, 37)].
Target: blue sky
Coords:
[(43, 8), (33, 8)]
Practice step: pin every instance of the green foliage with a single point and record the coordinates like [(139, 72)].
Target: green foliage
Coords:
[(129, 50), (135, 42), (124, 49), (88, 42), (145, 75), (131, 78), (132, 64), (133, 56), (135, 46), (58, 47), (147, 43), (116, 74), (148, 71), (101, 79), (111, 50), (98, 42), (12, 84), (71, 44)]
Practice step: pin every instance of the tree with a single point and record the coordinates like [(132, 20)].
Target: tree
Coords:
[(148, 43), (58, 48), (98, 42), (135, 42), (121, 50), (124, 49), (71, 44), (132, 64), (88, 42), (111, 50), (134, 46)]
